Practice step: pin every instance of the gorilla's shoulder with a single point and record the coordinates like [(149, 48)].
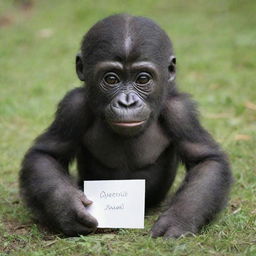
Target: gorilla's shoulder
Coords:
[(75, 98)]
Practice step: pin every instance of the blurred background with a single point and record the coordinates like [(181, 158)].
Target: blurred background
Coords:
[(214, 42)]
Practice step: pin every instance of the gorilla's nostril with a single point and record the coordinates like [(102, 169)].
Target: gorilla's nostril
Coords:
[(128, 103)]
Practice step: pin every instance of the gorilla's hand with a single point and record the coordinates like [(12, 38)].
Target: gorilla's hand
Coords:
[(68, 212), (170, 226)]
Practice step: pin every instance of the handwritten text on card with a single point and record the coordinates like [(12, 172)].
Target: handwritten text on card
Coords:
[(117, 203)]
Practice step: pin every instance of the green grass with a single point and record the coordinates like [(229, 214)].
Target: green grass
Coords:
[(215, 44)]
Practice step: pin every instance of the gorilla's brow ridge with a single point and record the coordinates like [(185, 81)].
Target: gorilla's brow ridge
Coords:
[(107, 64)]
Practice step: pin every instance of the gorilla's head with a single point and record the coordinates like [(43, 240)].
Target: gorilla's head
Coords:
[(128, 64)]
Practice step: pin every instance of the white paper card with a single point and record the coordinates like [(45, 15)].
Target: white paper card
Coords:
[(117, 203)]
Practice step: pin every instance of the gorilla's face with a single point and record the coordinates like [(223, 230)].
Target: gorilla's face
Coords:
[(128, 89)]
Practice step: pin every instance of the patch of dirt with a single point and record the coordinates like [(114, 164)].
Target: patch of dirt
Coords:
[(21, 8), (12, 239), (24, 4), (6, 21), (9, 242), (13, 245), (14, 227), (106, 231)]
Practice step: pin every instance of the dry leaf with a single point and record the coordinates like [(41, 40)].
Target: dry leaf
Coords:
[(242, 137), (250, 105), (45, 33), (50, 243), (214, 86)]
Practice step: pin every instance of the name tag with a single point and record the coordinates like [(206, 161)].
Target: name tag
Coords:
[(117, 203)]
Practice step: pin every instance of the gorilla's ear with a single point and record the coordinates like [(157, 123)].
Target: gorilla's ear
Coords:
[(80, 66), (172, 68)]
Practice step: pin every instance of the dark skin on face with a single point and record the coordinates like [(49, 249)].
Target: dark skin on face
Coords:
[(128, 121)]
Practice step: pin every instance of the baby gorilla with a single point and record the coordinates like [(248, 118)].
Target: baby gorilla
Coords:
[(128, 121)]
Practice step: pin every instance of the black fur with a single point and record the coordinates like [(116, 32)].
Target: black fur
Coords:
[(128, 122)]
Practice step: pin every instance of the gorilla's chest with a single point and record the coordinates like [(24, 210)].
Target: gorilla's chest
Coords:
[(116, 152)]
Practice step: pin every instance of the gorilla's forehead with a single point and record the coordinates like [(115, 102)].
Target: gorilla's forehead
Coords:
[(125, 38)]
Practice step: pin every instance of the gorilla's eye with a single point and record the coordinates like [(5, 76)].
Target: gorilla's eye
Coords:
[(143, 79), (111, 79)]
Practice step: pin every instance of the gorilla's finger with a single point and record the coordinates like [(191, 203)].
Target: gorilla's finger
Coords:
[(86, 201), (159, 228), (78, 229), (86, 219), (173, 232)]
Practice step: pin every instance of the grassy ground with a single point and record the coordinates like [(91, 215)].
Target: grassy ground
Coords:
[(215, 47)]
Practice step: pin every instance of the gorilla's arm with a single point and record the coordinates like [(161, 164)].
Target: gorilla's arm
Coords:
[(45, 183), (205, 188)]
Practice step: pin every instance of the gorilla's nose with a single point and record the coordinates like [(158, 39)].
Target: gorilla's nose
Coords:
[(130, 100)]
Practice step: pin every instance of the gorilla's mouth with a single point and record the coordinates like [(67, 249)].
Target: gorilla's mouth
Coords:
[(128, 123)]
